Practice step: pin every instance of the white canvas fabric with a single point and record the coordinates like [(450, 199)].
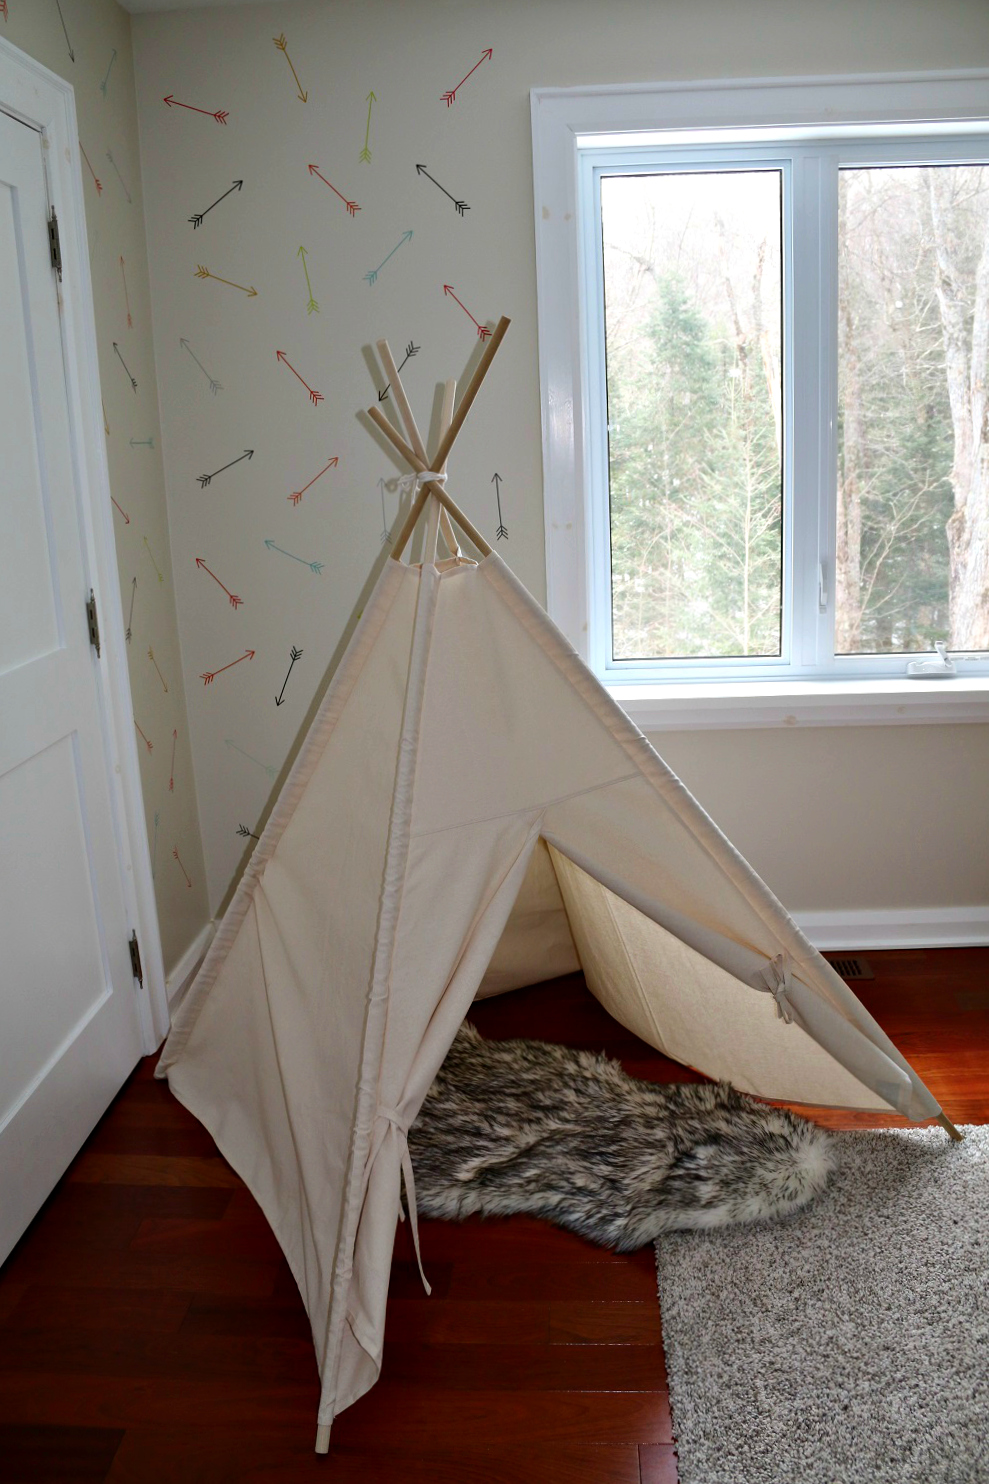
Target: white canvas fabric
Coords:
[(462, 750)]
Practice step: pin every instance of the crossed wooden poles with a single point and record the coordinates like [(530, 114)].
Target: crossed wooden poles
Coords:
[(451, 422)]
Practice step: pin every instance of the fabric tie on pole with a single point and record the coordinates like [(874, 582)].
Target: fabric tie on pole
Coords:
[(410, 484), (776, 979), (393, 1117)]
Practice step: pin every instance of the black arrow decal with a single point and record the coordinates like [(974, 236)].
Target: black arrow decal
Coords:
[(296, 654), (204, 479), (120, 358), (197, 218), (248, 834), (502, 528), (461, 206), (72, 55), (130, 616), (410, 351)]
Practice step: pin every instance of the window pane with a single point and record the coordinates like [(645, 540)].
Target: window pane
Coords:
[(693, 331), (913, 478)]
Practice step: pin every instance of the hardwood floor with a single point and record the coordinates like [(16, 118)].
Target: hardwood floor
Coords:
[(150, 1332)]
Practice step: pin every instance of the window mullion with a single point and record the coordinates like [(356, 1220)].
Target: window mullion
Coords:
[(814, 369)]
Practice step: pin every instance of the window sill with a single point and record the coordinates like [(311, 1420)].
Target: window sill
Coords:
[(803, 703)]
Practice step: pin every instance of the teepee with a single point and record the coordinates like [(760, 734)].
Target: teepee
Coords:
[(471, 811)]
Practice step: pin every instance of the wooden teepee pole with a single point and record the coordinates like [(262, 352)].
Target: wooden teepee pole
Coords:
[(412, 430)]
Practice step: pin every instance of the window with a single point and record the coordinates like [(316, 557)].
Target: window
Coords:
[(779, 448)]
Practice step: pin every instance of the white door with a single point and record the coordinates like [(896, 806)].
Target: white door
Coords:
[(69, 1017)]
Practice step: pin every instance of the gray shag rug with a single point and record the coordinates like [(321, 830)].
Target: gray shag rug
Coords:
[(849, 1343)]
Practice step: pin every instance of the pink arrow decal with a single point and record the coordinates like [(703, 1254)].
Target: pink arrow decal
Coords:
[(315, 397), (185, 873), (211, 675), (221, 115), (123, 513), (295, 498), (482, 330), (171, 774), (235, 602), (351, 206), (449, 97), (148, 745), (97, 183)]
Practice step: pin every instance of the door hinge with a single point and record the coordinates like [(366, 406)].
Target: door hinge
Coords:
[(135, 960), (94, 623), (55, 244)]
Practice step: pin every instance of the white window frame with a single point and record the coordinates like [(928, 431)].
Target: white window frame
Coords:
[(577, 133)]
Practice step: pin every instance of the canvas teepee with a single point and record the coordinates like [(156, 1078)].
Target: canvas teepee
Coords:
[(471, 811)]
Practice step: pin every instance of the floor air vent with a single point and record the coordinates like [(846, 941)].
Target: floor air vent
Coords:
[(851, 966)]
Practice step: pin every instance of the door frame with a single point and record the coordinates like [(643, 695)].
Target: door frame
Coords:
[(45, 101)]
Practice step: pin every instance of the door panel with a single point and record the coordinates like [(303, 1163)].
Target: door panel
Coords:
[(69, 1022)]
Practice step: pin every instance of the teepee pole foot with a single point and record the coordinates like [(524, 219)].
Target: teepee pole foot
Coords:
[(323, 1438), (949, 1127)]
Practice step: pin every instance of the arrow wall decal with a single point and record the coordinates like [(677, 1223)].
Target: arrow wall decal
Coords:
[(148, 745), (314, 397), (123, 274), (268, 768), (106, 79), (197, 217), (365, 152), (214, 385), (151, 657), (448, 98), (130, 616), (120, 358), (482, 330), (373, 275), (72, 55), (153, 562), (235, 602), (312, 305), (202, 272), (120, 177), (385, 533), (182, 868), (98, 184), (351, 206), (246, 833), (204, 479), (171, 771), (461, 206), (296, 654), (211, 675), (221, 115), (142, 442), (410, 351), (123, 513), (316, 567), (502, 528), (282, 46), (297, 496)]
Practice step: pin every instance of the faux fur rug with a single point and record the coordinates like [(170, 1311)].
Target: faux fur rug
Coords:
[(525, 1126), (849, 1344)]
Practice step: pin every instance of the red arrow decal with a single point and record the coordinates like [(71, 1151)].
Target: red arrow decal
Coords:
[(351, 206), (211, 675), (235, 602), (315, 397), (299, 493), (482, 330), (221, 115), (171, 777), (148, 745), (99, 188), (182, 868), (123, 512), (123, 274), (449, 97)]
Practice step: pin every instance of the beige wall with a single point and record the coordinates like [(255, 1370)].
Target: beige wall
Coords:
[(115, 229), (884, 817)]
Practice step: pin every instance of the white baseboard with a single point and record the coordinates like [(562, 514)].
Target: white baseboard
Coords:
[(182, 975), (913, 927)]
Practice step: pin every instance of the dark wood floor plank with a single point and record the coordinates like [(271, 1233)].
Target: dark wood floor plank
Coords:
[(71, 1311), (604, 1322), (55, 1454), (658, 1464), (93, 1168), (526, 1367), (67, 1399), (543, 1280), (463, 1322), (417, 1418), (282, 1456)]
